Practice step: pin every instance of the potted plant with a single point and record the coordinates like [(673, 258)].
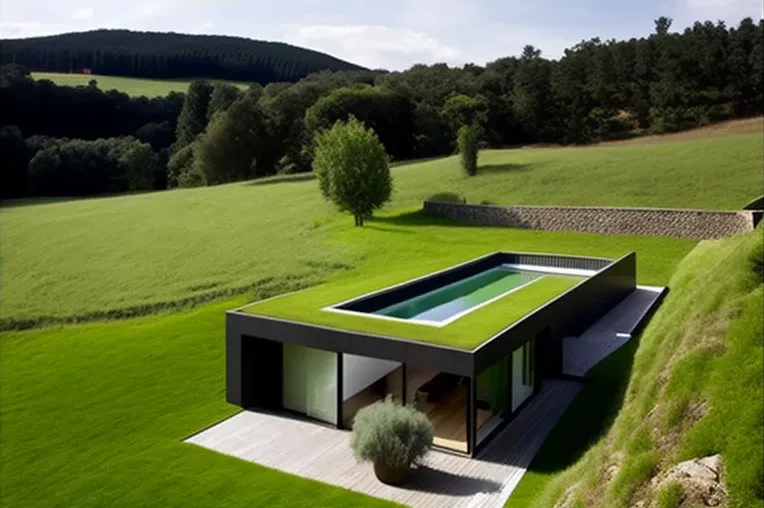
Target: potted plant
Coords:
[(392, 437)]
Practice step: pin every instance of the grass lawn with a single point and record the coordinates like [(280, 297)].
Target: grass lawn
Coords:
[(467, 332), (131, 86), (133, 254), (695, 388), (94, 415)]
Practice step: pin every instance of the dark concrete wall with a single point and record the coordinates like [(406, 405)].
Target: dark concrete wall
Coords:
[(693, 224), (567, 315)]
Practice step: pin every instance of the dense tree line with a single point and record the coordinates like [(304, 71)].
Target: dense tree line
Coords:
[(598, 90), (36, 113), (168, 55), (87, 112)]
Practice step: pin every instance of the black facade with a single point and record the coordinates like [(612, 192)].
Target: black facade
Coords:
[(254, 344)]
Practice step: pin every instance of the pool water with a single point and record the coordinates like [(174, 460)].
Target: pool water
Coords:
[(443, 303)]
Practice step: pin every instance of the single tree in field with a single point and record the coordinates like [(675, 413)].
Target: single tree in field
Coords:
[(193, 117), (353, 169), (467, 140)]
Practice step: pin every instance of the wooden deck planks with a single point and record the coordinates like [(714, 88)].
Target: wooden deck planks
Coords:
[(446, 480)]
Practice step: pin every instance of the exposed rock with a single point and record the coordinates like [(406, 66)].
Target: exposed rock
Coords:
[(696, 411), (696, 470), (701, 479)]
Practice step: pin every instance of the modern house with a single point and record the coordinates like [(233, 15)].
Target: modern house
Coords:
[(469, 345)]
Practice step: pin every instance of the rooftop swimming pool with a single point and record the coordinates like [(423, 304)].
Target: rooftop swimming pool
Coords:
[(441, 298), (448, 302)]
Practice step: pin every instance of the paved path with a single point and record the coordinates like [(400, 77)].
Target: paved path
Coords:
[(608, 334), (447, 480)]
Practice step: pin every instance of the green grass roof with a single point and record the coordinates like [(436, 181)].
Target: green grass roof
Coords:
[(467, 332)]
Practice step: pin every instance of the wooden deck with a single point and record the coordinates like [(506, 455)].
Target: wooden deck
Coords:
[(608, 334), (446, 480)]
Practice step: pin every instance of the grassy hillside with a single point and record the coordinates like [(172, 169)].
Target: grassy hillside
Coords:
[(150, 250), (95, 414), (696, 389), (131, 86)]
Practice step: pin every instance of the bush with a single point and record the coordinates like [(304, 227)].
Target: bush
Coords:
[(193, 177), (353, 169), (447, 197), (397, 436), (180, 162), (467, 140)]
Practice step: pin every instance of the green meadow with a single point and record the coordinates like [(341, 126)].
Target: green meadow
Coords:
[(131, 86), (94, 414), (134, 254)]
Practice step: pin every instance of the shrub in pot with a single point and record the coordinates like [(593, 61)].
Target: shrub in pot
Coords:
[(392, 437)]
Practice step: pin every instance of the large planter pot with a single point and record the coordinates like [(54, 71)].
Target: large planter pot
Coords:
[(390, 475)]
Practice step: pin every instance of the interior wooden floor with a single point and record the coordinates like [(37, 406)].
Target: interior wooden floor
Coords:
[(449, 418), (448, 415)]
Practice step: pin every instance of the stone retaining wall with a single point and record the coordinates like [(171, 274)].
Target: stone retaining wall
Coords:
[(694, 224)]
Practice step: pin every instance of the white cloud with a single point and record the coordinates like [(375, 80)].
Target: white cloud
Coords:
[(373, 46), (20, 29), (206, 26), (82, 14)]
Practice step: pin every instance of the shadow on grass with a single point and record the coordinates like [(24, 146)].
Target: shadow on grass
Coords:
[(410, 219), (591, 414), (504, 168), (426, 479), (50, 200), (421, 160), (299, 177)]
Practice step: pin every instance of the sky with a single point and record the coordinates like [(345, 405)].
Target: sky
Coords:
[(388, 34)]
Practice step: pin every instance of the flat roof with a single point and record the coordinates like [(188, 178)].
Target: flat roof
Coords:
[(315, 306)]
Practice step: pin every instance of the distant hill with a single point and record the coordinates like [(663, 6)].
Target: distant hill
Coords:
[(170, 55)]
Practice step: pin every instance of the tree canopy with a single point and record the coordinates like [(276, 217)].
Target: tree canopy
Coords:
[(352, 169)]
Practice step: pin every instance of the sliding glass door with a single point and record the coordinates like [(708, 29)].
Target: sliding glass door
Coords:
[(310, 382), (522, 373)]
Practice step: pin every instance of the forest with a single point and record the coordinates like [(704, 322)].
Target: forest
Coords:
[(216, 133), (168, 55)]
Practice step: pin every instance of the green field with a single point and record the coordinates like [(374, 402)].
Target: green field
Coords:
[(131, 86), (95, 414), (133, 254)]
